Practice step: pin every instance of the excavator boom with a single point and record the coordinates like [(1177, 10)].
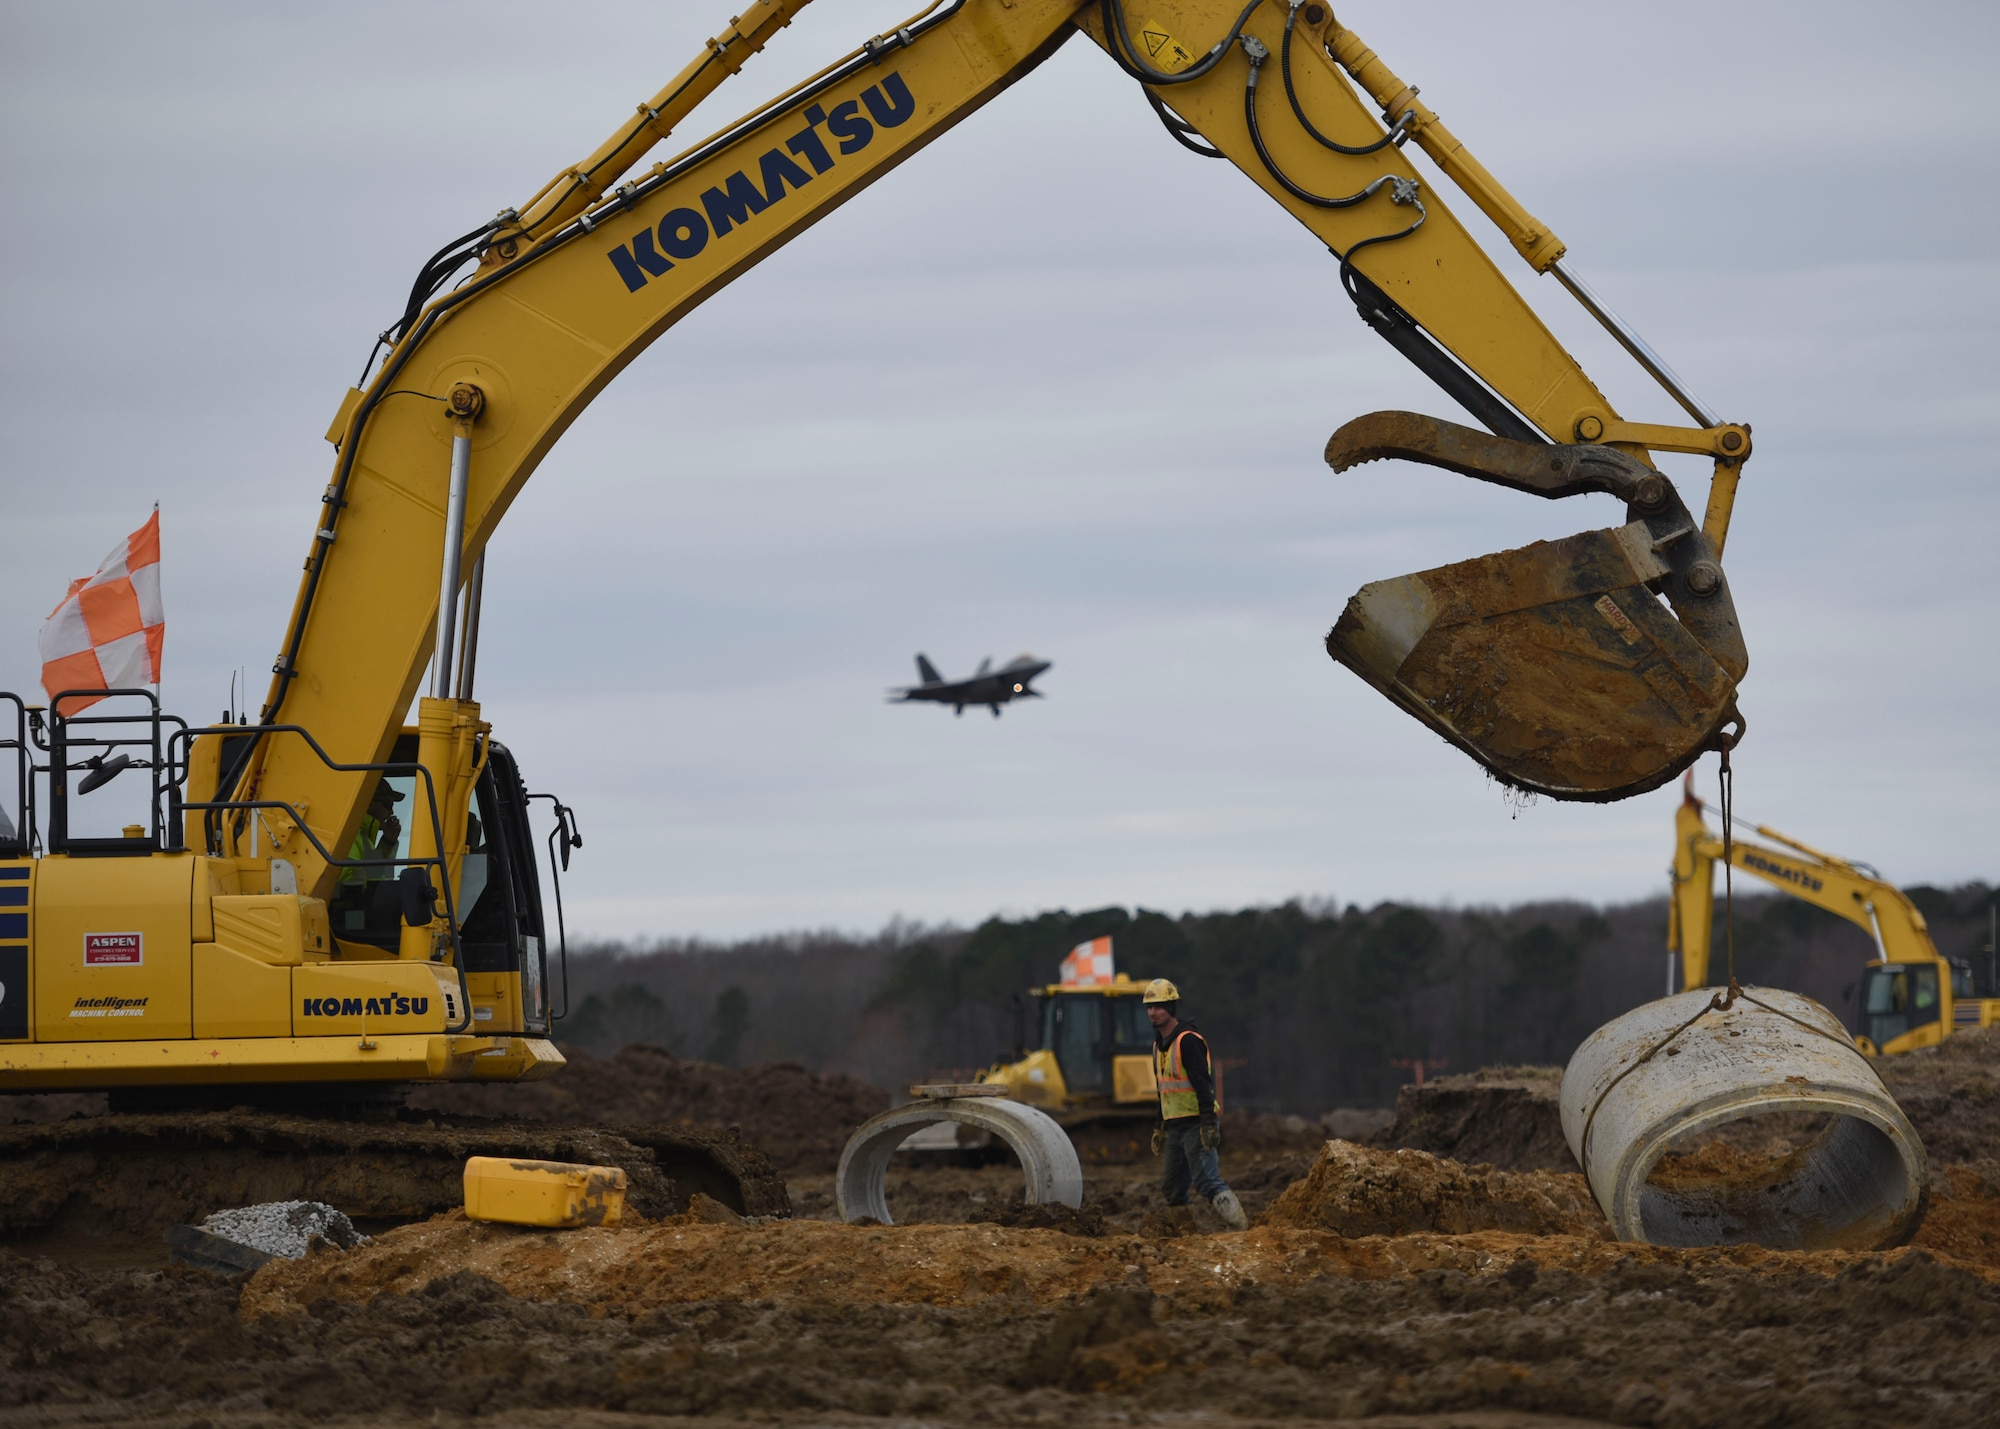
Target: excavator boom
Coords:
[(574, 287), (297, 928)]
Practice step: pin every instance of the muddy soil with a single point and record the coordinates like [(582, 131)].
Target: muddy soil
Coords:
[(1374, 1282), (1358, 1191), (104, 1189), (1509, 1117), (797, 1118), (800, 1119), (1123, 1196), (1951, 1094), (950, 1324)]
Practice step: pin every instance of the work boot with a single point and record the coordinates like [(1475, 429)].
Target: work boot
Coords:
[(1231, 1210)]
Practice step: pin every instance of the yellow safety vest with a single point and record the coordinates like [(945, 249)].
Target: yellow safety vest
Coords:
[(1177, 1095), (366, 839)]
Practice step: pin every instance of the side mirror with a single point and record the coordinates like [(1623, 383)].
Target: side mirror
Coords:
[(102, 771), (419, 898)]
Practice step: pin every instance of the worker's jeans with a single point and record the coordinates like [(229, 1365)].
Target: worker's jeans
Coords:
[(1188, 1161)]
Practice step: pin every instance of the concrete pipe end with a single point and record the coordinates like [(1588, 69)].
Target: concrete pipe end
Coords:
[(1648, 1089), (1050, 1170)]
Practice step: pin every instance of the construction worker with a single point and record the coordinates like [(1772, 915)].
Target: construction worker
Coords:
[(1190, 1129), (379, 836)]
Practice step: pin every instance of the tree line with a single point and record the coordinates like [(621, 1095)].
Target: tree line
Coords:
[(1314, 1005)]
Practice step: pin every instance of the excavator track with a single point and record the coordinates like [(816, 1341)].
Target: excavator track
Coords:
[(118, 1181)]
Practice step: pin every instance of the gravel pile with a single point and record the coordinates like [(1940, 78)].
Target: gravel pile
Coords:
[(284, 1228)]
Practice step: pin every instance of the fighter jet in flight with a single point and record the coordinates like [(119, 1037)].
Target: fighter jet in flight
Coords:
[(988, 686)]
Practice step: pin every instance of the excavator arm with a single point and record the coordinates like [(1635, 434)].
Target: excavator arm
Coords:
[(1879, 908), (482, 379), (1911, 995)]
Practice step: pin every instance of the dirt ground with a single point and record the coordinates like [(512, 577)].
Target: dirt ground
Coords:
[(1401, 1285), (983, 1323), (797, 1118)]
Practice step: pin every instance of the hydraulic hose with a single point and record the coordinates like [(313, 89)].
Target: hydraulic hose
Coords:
[(1401, 190), (1285, 73), (1185, 134)]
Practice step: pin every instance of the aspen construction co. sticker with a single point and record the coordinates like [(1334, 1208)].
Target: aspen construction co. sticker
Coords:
[(113, 950)]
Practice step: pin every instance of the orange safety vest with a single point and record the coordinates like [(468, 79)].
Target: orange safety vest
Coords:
[(1177, 1094)]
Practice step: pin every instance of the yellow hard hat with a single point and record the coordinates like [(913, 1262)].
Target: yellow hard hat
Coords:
[(1160, 990)]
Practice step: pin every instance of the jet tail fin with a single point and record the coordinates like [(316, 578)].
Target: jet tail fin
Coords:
[(927, 672), (984, 666)]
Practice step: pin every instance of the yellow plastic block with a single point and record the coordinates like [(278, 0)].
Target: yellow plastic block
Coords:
[(543, 1193)]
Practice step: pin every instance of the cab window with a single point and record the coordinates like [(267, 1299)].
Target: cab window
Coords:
[(1895, 999), (1132, 1030), (1076, 1034)]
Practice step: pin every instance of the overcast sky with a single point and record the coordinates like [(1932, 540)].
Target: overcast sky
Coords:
[(1054, 385)]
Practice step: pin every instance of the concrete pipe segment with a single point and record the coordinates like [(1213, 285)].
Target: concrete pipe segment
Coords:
[(1048, 1160), (1665, 1075)]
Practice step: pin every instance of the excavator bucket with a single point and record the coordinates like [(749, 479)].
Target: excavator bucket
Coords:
[(1590, 668)]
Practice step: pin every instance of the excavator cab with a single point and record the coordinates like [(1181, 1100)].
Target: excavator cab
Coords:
[(155, 938), (1897, 999), (500, 896), (501, 934)]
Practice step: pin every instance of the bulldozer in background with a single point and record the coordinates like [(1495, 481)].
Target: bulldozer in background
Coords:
[(1083, 1054), (1092, 1056)]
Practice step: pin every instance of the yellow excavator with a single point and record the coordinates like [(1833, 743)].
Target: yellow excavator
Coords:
[(257, 927), (1911, 995)]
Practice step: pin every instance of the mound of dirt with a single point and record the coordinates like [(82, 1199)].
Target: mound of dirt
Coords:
[(1951, 1094), (797, 1118), (1509, 1117), (1963, 1221), (1360, 1191), (640, 1268)]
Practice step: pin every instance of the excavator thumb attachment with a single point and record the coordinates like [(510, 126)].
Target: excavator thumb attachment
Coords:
[(1557, 665)]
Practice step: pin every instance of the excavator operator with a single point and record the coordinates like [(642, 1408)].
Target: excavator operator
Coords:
[(378, 837), (1190, 1130)]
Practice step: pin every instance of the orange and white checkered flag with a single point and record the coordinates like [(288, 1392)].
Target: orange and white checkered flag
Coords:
[(1088, 964), (109, 629)]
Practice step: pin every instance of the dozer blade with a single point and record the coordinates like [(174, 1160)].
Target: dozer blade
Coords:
[(1557, 665)]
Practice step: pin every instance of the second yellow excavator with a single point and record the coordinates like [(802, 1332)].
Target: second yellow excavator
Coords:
[(1911, 995)]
